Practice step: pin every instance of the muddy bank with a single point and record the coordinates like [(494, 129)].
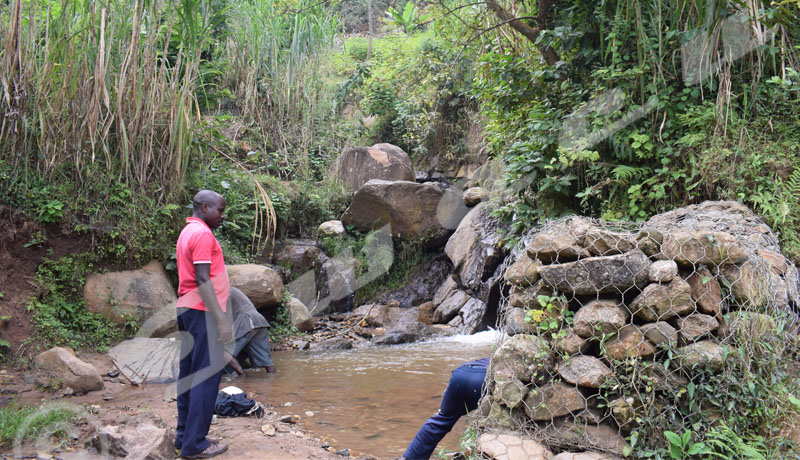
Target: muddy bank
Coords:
[(120, 402)]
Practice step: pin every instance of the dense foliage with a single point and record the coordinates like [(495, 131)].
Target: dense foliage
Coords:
[(651, 105)]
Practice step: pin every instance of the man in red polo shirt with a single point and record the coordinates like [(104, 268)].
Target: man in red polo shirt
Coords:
[(203, 291)]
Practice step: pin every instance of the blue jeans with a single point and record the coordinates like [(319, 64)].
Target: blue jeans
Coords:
[(461, 396), (256, 345), (198, 380)]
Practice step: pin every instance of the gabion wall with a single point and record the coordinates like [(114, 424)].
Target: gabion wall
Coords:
[(615, 333)]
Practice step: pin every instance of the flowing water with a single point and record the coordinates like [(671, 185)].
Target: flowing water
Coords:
[(371, 400)]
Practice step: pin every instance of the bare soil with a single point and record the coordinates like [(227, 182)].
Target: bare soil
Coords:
[(120, 401), (23, 245)]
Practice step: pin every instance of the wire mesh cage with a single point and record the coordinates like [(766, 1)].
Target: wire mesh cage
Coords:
[(617, 337)]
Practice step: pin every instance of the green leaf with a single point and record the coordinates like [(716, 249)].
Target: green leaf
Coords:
[(751, 452), (673, 438), (687, 436), (696, 448), (795, 402)]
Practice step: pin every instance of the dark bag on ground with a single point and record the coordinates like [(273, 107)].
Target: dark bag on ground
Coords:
[(235, 404)]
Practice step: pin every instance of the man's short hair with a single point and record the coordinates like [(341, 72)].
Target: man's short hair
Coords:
[(205, 197)]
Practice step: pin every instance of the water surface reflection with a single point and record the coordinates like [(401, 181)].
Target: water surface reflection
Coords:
[(371, 400)]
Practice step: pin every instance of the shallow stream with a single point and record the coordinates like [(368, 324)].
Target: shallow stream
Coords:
[(371, 400)]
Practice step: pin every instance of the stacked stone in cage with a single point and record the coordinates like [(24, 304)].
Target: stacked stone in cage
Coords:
[(593, 304)]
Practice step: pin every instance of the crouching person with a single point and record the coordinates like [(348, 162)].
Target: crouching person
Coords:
[(250, 333)]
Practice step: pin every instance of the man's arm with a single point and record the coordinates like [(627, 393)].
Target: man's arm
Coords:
[(202, 276)]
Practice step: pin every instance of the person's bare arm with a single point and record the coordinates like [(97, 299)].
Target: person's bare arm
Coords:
[(202, 276)]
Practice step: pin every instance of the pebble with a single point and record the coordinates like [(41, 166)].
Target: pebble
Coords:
[(289, 419), (343, 452), (309, 413), (283, 429), (268, 430), (287, 404)]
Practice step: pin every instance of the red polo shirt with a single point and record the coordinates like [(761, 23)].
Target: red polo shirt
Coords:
[(197, 245)]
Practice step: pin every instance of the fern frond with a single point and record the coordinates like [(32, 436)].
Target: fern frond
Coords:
[(793, 184), (625, 172)]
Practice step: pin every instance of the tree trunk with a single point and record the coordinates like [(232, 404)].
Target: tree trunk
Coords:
[(369, 19)]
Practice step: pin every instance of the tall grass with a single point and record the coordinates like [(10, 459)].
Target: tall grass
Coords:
[(87, 84), (107, 88), (271, 64)]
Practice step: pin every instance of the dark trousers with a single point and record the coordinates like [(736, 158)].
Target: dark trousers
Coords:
[(461, 396), (198, 380)]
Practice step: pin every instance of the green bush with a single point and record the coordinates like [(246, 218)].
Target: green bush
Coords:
[(357, 47), (59, 314)]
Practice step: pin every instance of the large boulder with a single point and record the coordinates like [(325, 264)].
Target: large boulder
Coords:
[(410, 208), (138, 438), (161, 323), (62, 365), (358, 165), (129, 294), (472, 317), (389, 317), (450, 307), (605, 274), (560, 241), (298, 256), (261, 284), (300, 316), (474, 249)]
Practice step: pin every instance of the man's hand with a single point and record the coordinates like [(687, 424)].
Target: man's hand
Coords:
[(225, 330), (234, 363)]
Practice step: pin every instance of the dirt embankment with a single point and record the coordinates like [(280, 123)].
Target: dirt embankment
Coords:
[(23, 245)]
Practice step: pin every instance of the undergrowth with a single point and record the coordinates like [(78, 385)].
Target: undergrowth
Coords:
[(59, 314), (30, 422)]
